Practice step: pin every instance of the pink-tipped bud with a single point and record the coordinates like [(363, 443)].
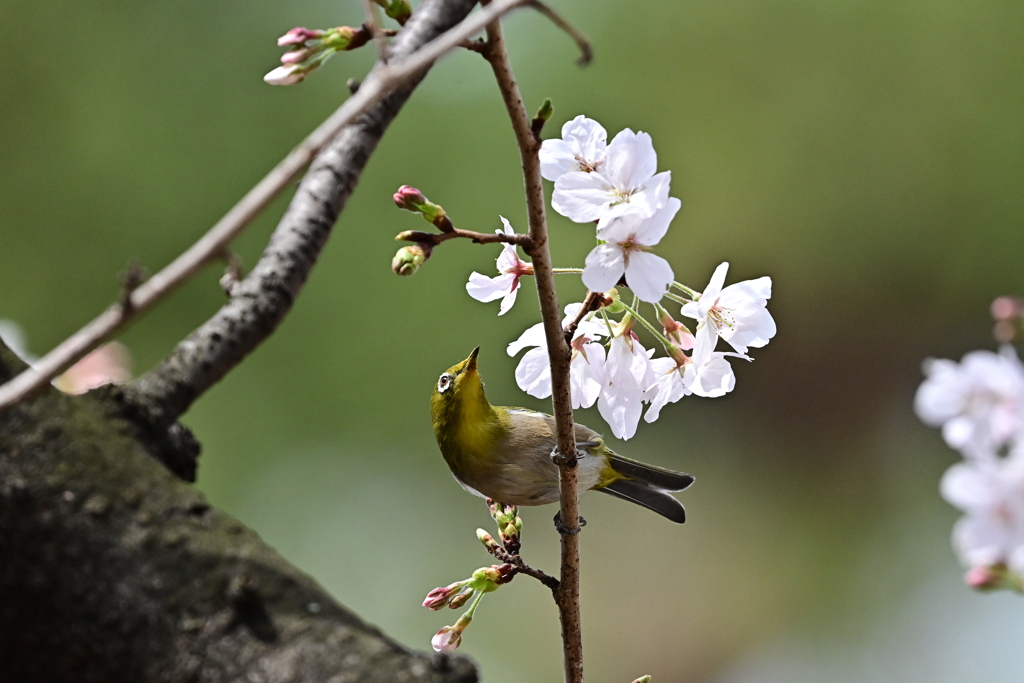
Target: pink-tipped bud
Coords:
[(438, 598), (296, 56), (285, 75), (985, 578), (298, 36), (409, 198), (446, 640)]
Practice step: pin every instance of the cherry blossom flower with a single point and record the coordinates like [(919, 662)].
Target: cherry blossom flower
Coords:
[(586, 369), (681, 377), (581, 149), (506, 285), (627, 239), (977, 402), (737, 313), (991, 493), (626, 183), (628, 373)]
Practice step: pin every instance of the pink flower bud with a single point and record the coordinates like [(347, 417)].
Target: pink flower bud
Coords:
[(298, 36), (460, 600), (446, 640), (981, 578), (1007, 308), (295, 56), (409, 198), (438, 598), (285, 75)]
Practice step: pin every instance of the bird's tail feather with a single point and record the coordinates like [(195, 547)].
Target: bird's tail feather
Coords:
[(658, 477), (649, 497)]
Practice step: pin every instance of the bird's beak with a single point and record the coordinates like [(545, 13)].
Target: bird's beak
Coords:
[(471, 361)]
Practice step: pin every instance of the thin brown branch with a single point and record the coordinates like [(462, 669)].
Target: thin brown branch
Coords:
[(567, 596), (592, 302), (373, 25), (435, 238), (586, 53), (521, 567), (382, 81)]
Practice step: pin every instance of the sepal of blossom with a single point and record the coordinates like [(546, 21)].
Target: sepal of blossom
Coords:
[(533, 374), (580, 149), (345, 38), (613, 302), (399, 10), (486, 579), (411, 199), (628, 374), (505, 285), (299, 36), (625, 252), (440, 598), (409, 259), (487, 540), (676, 332), (737, 313), (977, 401), (626, 183)]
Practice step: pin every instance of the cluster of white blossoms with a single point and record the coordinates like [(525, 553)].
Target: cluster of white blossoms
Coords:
[(979, 405), (617, 187)]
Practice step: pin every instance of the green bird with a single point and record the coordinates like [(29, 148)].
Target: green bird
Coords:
[(505, 453)]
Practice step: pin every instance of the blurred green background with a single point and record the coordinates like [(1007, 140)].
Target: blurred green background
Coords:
[(865, 154)]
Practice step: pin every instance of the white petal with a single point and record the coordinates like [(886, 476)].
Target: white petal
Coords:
[(715, 378), (582, 197), (631, 160), (586, 375), (653, 196), (714, 288), (970, 487), (533, 374), (654, 228), (506, 303), (980, 541), (587, 137), (605, 264), (620, 228), (704, 343), (752, 329), (648, 275), (483, 288), (557, 157), (533, 336), (621, 409)]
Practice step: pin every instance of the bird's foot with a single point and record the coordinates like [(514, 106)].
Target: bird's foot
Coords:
[(560, 459), (565, 531)]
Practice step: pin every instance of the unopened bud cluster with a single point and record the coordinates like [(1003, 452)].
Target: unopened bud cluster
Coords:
[(510, 525), (409, 259), (309, 48)]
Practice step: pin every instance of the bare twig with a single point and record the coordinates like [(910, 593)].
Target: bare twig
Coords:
[(586, 53), (567, 595), (435, 238), (373, 24), (592, 302), (521, 567), (382, 81)]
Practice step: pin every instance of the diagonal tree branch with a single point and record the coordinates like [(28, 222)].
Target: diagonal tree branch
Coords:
[(400, 76)]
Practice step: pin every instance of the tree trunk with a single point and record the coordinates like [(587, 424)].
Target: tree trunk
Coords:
[(114, 569)]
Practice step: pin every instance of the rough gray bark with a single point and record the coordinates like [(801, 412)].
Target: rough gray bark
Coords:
[(113, 569), (260, 301)]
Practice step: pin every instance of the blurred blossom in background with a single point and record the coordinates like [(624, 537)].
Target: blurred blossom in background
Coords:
[(866, 156)]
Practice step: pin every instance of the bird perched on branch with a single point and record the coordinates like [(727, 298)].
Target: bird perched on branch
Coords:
[(506, 453)]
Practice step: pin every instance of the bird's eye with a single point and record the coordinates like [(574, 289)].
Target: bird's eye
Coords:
[(444, 383)]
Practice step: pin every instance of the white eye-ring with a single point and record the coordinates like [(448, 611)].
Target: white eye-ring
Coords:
[(444, 383)]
